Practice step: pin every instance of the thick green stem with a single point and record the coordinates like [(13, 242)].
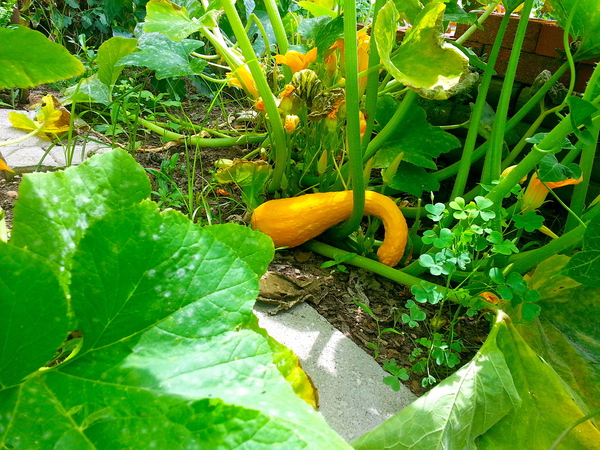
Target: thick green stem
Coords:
[(551, 142), (588, 154), (368, 264), (352, 123), (371, 92), (493, 159), (524, 262), (464, 164), (279, 30), (391, 126), (277, 132), (453, 169), (198, 141)]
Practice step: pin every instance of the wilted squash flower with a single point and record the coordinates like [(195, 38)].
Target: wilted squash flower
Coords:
[(363, 123), (490, 297), (290, 123), (296, 61), (242, 78), (364, 43), (536, 192), (286, 102), (259, 105)]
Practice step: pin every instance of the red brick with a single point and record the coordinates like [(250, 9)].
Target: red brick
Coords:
[(492, 25), (549, 40)]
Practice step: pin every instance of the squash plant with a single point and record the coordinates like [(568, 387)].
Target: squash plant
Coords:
[(167, 352)]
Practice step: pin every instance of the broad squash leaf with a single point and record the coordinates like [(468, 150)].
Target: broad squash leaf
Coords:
[(506, 396), (28, 58), (169, 19), (583, 266), (567, 332), (424, 62), (109, 53), (167, 57), (170, 357)]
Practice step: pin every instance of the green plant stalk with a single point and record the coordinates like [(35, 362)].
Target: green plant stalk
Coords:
[(453, 169), (352, 124), (524, 262), (578, 199), (367, 264), (551, 142), (466, 160), (391, 126), (372, 83), (588, 154), (279, 31), (493, 159), (201, 142), (279, 139)]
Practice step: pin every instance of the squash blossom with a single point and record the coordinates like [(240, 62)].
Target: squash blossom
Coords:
[(363, 123), (259, 105), (242, 78), (364, 43), (536, 192), (286, 102), (290, 123), (296, 61)]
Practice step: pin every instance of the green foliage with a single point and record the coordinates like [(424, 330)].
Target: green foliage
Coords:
[(583, 267), (28, 58), (153, 295), (444, 66), (584, 25), (503, 391)]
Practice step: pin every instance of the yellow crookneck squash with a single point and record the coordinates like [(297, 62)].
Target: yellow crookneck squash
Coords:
[(293, 221)]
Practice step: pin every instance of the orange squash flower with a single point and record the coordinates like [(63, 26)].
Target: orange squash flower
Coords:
[(536, 192), (242, 78), (290, 123), (296, 60)]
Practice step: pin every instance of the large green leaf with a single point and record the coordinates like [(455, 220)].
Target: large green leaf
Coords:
[(167, 57), (165, 17), (169, 19), (28, 58), (583, 266), (170, 358), (55, 209), (567, 332), (109, 53), (30, 330), (506, 397), (585, 25), (419, 141), (423, 62)]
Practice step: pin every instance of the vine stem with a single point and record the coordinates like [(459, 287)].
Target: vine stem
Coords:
[(352, 123), (372, 266), (279, 139), (464, 164), (493, 159)]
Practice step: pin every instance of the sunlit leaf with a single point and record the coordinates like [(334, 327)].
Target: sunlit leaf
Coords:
[(423, 62), (89, 90), (567, 334), (28, 58), (165, 17), (109, 53), (50, 119), (505, 394), (167, 57), (317, 9)]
